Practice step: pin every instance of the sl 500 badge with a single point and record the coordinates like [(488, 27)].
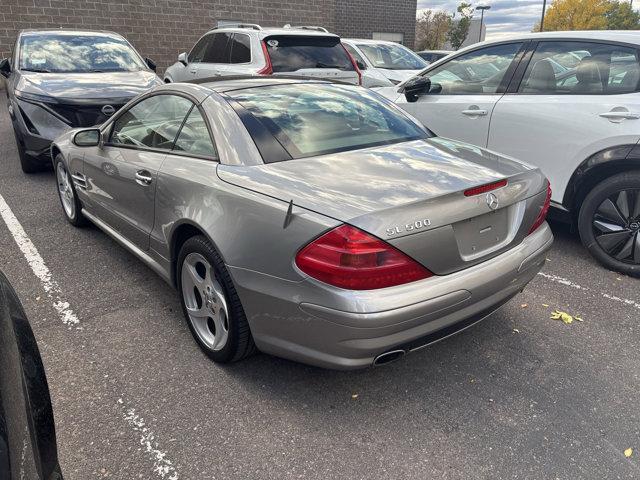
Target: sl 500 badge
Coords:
[(409, 227)]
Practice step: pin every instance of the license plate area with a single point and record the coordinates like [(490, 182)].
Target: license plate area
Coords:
[(483, 234)]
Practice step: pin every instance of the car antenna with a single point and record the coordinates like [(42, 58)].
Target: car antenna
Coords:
[(289, 216)]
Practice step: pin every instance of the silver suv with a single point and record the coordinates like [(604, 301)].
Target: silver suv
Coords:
[(249, 49)]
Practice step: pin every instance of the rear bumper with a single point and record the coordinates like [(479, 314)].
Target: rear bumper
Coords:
[(350, 330)]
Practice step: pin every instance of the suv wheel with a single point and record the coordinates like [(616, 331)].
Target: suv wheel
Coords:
[(210, 303), (609, 223), (67, 193), (27, 162)]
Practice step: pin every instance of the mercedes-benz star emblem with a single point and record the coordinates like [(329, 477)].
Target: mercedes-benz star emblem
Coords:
[(492, 201), (108, 110)]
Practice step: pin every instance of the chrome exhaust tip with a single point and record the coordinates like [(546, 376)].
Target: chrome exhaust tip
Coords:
[(388, 357)]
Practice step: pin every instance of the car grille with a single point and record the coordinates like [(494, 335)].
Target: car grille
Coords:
[(81, 115)]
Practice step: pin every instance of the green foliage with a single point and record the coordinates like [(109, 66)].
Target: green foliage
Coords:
[(459, 29), (620, 16), (590, 15)]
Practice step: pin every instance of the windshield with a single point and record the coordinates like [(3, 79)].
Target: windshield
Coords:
[(58, 53), (313, 119), (289, 53), (392, 57)]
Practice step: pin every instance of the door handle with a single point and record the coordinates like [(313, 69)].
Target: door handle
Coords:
[(620, 115), (474, 112), (143, 177)]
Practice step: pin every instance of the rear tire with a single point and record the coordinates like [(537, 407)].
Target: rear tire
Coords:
[(28, 163), (609, 223), (71, 206), (211, 304)]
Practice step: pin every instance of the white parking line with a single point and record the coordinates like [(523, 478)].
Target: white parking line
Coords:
[(608, 296), (161, 465), (38, 266)]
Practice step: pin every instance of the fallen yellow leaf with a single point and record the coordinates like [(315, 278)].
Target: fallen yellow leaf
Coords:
[(545, 305), (564, 316), (628, 452)]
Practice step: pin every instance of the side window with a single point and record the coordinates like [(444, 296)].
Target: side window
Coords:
[(240, 48), (154, 122), (194, 137), (356, 56), (218, 50), (581, 68), (477, 72), (197, 52)]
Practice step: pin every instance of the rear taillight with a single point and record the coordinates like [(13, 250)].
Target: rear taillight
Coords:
[(354, 63), (485, 188), (268, 68), (543, 213), (347, 257)]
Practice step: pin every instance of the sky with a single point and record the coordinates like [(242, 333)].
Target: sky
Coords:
[(506, 17)]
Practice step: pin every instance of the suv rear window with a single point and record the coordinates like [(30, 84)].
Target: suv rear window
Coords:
[(313, 119), (290, 53)]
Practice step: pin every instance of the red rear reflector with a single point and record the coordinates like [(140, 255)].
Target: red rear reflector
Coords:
[(268, 68), (543, 213), (347, 257), (485, 188)]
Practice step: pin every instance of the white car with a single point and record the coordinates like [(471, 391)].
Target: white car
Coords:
[(249, 49), (567, 102), (383, 63)]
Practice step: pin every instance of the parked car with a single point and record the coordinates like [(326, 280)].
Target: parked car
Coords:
[(567, 102), (331, 228), (249, 49), (383, 63), (61, 79), (432, 56), (27, 433)]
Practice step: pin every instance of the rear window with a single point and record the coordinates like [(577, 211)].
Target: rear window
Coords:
[(290, 53), (313, 119)]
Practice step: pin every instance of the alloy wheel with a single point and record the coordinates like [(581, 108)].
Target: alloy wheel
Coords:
[(205, 301), (616, 226), (65, 190)]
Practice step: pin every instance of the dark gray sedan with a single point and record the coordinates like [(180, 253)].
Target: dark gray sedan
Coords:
[(62, 79), (311, 220)]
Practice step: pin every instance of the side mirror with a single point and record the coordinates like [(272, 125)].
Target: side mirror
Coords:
[(5, 67), (87, 138), (361, 65), (182, 58), (416, 87), (151, 64)]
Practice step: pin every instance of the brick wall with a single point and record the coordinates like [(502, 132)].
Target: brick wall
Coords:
[(161, 29)]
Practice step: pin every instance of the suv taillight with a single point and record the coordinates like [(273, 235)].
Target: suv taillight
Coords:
[(354, 63), (543, 213), (268, 68), (347, 257)]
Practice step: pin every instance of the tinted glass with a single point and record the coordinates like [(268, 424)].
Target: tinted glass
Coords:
[(581, 68), (240, 48), (153, 122), (194, 137), (357, 57), (291, 53), (77, 54), (477, 72), (392, 57), (199, 49), (311, 119), (218, 50)]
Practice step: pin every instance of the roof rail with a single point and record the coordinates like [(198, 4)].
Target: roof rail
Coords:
[(307, 27), (253, 26)]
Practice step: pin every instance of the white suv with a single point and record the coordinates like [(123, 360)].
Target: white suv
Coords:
[(248, 49), (568, 102)]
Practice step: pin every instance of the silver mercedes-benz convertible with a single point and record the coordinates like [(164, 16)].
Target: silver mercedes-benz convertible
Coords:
[(310, 220)]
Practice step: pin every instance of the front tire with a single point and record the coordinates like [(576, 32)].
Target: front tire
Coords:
[(609, 223), (71, 206), (211, 304)]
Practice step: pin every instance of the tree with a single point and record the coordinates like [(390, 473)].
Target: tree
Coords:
[(459, 29), (577, 15), (431, 30), (621, 16)]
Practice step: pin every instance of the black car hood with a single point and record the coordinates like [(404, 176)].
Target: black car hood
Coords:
[(85, 86)]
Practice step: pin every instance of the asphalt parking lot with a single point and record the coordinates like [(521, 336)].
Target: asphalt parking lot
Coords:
[(518, 396)]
